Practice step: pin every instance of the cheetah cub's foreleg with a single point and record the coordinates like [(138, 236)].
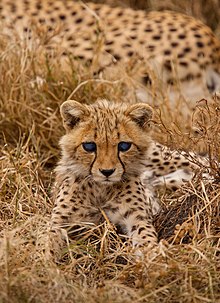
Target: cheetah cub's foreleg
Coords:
[(131, 209)]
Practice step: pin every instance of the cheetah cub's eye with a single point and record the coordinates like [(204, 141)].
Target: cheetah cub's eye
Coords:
[(90, 147), (124, 146)]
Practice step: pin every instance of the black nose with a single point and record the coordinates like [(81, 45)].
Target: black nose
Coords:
[(107, 172)]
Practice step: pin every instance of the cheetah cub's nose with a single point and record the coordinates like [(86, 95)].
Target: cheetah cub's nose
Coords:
[(107, 172)]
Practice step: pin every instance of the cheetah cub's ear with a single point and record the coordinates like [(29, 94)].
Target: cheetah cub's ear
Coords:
[(72, 113), (141, 114)]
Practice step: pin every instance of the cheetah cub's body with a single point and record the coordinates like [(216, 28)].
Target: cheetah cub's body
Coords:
[(105, 152)]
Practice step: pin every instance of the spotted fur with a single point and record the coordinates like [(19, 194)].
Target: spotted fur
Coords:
[(112, 178), (181, 51)]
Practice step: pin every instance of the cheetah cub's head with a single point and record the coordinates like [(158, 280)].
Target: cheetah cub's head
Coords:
[(105, 142)]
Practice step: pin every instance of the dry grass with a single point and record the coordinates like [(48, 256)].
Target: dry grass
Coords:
[(99, 267)]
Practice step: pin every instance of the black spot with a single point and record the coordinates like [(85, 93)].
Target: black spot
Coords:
[(128, 200), (197, 36), (168, 65), (134, 227), (183, 63), (174, 188), (151, 47), (148, 30), (141, 218), (117, 57), (90, 184), (173, 29), (41, 20), (147, 80), (63, 205), (62, 17), (88, 49), (167, 52), (126, 45), (65, 193), (38, 6), (180, 56), (155, 160), (181, 36), (117, 34), (187, 49), (185, 163), (174, 44), (128, 213), (109, 42), (91, 23), (140, 230), (79, 20), (155, 153), (200, 44), (156, 37), (172, 181), (130, 53)]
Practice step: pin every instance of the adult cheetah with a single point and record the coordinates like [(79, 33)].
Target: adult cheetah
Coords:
[(177, 49)]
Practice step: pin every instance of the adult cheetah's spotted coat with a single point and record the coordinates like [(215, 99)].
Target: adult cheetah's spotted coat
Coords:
[(173, 45)]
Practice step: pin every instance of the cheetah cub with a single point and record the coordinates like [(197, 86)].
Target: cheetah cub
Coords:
[(108, 162)]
